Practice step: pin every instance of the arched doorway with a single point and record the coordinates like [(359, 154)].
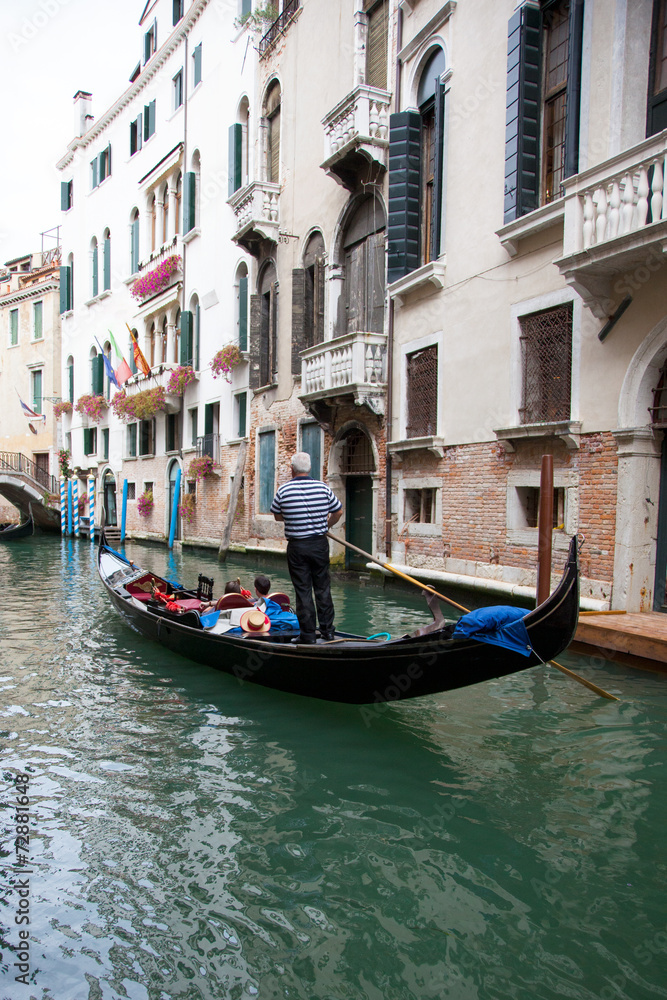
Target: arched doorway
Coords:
[(173, 472), (109, 495), (358, 466)]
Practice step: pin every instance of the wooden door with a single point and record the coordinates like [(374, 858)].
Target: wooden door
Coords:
[(358, 518)]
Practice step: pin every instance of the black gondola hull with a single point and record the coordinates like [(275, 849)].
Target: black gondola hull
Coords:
[(356, 671), (15, 531)]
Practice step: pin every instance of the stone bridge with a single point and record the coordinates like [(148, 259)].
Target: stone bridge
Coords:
[(30, 490)]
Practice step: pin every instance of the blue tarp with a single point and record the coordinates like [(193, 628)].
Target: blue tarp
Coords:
[(500, 626), (281, 621)]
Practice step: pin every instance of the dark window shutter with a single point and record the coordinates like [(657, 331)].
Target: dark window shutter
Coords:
[(243, 402), (70, 380), (197, 59), (107, 264), (404, 193), (64, 195), (98, 375), (523, 113), (255, 336), (196, 336), (376, 45), (243, 313), (298, 318), (439, 154), (235, 151), (189, 201), (95, 273), (267, 470), (135, 247), (375, 283), (177, 11), (65, 300), (186, 338), (108, 152), (151, 110), (208, 418), (95, 171), (273, 151), (246, 7), (573, 95)]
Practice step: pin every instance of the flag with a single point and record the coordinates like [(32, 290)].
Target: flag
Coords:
[(111, 375), (31, 413), (121, 368), (139, 359)]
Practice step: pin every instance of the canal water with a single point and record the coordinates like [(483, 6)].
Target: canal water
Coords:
[(194, 838)]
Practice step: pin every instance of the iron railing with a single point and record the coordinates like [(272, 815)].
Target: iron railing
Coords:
[(290, 8), (209, 444), (13, 461)]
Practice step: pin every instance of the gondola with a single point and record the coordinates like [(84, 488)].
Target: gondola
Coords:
[(351, 668), (9, 531)]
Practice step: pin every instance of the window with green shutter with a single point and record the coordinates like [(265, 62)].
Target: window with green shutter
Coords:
[(66, 287), (147, 437), (13, 327), (97, 375), (178, 89), (149, 120), (177, 11), (189, 195), (242, 407), (136, 135), (235, 165), (246, 7), (134, 244), (132, 441), (186, 339), (90, 440), (105, 444), (150, 41), (196, 63), (243, 312), (105, 164), (95, 276), (65, 195), (70, 380), (37, 391), (404, 196), (311, 443), (267, 471), (95, 172), (107, 262), (37, 316)]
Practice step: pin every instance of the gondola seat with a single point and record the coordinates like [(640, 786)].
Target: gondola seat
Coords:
[(228, 601), (282, 599)]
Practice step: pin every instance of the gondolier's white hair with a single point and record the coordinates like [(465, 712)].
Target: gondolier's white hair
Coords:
[(301, 462)]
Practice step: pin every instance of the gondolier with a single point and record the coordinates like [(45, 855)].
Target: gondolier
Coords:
[(308, 508)]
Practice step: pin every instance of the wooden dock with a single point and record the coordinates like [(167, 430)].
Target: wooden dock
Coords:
[(637, 640)]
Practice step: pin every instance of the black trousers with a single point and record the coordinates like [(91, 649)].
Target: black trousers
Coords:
[(308, 564)]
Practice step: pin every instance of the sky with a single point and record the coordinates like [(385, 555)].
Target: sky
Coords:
[(49, 49)]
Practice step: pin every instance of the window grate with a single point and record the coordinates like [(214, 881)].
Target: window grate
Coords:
[(357, 455), (546, 356), (422, 392)]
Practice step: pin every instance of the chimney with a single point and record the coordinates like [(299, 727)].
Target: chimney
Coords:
[(83, 112)]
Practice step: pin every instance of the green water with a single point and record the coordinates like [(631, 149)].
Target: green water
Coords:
[(198, 839)]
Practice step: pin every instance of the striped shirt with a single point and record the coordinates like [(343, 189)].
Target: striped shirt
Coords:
[(305, 505)]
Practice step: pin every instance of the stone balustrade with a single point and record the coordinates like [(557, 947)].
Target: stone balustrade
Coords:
[(354, 364)]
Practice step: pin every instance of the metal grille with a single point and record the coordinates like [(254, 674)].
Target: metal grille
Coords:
[(546, 355), (422, 390), (659, 409), (290, 8), (555, 87), (357, 455)]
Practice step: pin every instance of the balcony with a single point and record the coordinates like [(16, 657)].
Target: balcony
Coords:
[(209, 444), (356, 135), (287, 15), (354, 365), (257, 218), (159, 376), (615, 230)]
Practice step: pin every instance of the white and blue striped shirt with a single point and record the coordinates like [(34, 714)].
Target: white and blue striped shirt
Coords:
[(305, 505)]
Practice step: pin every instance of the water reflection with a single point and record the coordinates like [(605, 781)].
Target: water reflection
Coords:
[(198, 838)]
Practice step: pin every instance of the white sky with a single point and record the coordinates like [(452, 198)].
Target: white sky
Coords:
[(49, 49)]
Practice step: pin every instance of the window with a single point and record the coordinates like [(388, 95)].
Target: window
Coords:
[(657, 95), (66, 196), (97, 374), (268, 329), (136, 136), (272, 115), (149, 120), (422, 392), (419, 506), (70, 379), (13, 327), (100, 167), (241, 414), (363, 245), (311, 442), (134, 244), (243, 308), (106, 250), (150, 42), (147, 437), (543, 83), (529, 507), (546, 361), (235, 164), (196, 65), (153, 211), (267, 471), (133, 360), (189, 200), (105, 444), (172, 432), (193, 413), (177, 11), (178, 196), (148, 487), (377, 13), (132, 441), (37, 391), (94, 263), (131, 491), (67, 287), (186, 339), (68, 441), (37, 313), (308, 300), (178, 89), (90, 440)]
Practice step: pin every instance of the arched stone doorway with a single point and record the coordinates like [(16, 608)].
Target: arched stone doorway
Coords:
[(109, 499), (171, 490), (353, 467)]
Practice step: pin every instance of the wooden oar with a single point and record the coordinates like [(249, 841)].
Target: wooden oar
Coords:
[(448, 600)]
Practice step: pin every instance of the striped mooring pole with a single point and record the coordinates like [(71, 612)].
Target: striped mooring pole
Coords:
[(63, 506), (91, 508), (75, 506)]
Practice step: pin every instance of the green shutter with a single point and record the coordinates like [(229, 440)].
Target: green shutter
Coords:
[(186, 338), (208, 418), (189, 201), (246, 7), (37, 391), (243, 313), (65, 285), (523, 113), (134, 249), (403, 222), (105, 444), (70, 379), (38, 311), (98, 375), (267, 470), (95, 170), (107, 264), (95, 273), (311, 443), (235, 156), (197, 58), (243, 404), (64, 196), (177, 12), (573, 93)]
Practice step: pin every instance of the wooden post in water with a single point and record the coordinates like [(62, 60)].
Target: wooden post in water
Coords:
[(545, 523), (233, 502)]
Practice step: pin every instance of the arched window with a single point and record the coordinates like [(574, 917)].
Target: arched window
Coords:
[(178, 197), (313, 266), (165, 213), (152, 352), (272, 115), (268, 330), (153, 211), (94, 267), (430, 97), (107, 260), (242, 306), (363, 253), (134, 241)]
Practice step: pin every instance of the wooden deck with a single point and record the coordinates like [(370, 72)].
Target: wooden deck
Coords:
[(638, 640)]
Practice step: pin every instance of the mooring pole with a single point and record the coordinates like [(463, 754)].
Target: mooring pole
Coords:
[(545, 528)]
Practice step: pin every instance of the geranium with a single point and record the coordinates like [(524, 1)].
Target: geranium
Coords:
[(64, 406), (186, 508), (201, 467), (145, 504), (92, 406), (63, 462), (141, 406), (179, 379), (225, 361), (155, 280)]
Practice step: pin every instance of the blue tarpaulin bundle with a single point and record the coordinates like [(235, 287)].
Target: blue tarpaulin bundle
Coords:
[(500, 626)]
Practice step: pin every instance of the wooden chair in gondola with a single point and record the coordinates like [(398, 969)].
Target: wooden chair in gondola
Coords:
[(229, 601), (282, 599)]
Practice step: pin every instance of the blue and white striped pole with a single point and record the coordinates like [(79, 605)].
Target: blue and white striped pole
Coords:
[(75, 505), (69, 506), (123, 513), (91, 508), (63, 507)]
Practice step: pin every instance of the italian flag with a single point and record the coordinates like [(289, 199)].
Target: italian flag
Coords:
[(121, 368)]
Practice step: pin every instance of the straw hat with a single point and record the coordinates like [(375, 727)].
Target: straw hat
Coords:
[(255, 621)]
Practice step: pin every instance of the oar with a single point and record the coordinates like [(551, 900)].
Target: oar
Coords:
[(448, 600)]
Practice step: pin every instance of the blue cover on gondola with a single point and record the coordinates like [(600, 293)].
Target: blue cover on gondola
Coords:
[(281, 621), (500, 626)]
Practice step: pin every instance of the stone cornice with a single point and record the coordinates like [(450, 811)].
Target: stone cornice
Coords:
[(142, 81), (32, 292)]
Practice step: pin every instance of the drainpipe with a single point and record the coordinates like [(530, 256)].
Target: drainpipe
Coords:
[(186, 76), (390, 326)]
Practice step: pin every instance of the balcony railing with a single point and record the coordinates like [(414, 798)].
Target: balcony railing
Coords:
[(359, 124), (157, 256), (351, 365), (290, 8), (209, 444), (256, 209), (159, 375), (12, 461), (615, 220)]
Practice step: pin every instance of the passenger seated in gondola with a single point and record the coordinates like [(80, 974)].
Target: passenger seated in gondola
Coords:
[(262, 588), (280, 620)]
